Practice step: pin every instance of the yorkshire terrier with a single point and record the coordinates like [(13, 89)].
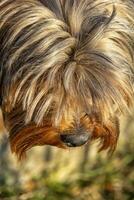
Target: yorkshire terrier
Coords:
[(66, 71)]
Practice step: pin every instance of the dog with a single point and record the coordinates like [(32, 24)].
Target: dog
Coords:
[(66, 71)]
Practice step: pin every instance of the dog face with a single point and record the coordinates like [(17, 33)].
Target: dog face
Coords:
[(66, 71)]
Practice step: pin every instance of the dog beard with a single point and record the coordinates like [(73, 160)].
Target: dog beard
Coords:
[(66, 70)]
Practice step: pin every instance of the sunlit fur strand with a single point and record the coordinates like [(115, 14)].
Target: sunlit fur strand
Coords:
[(61, 58)]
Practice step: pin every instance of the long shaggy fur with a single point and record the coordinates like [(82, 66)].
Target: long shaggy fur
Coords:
[(64, 64)]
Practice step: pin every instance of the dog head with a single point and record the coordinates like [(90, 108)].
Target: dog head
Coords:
[(66, 71)]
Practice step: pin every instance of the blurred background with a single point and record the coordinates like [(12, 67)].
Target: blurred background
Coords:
[(81, 174)]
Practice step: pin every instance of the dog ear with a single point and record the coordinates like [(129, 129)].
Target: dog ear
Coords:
[(108, 135)]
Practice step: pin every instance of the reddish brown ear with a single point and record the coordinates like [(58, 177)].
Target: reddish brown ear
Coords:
[(32, 136), (108, 135)]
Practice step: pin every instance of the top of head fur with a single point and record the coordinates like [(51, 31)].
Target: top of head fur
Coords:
[(73, 47)]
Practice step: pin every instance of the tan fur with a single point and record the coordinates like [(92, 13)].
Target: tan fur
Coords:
[(65, 63)]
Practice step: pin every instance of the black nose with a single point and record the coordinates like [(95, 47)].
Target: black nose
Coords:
[(75, 140)]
